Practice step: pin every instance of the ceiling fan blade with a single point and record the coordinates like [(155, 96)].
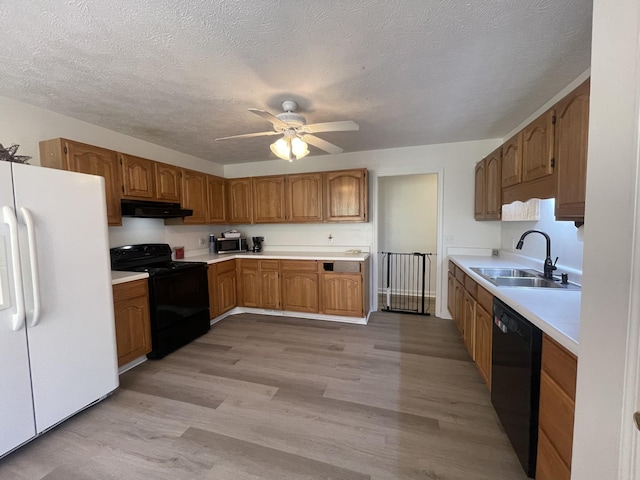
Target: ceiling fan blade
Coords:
[(344, 126), (322, 144), (269, 117), (249, 135)]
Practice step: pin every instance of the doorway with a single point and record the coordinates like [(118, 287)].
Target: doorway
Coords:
[(407, 224)]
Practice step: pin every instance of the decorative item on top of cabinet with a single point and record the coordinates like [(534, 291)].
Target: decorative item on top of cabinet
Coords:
[(268, 199), (239, 193), (300, 291), (557, 406), (138, 177), (570, 151), (78, 157), (217, 199), (304, 198), (131, 312), (346, 196), (168, 182), (194, 196)]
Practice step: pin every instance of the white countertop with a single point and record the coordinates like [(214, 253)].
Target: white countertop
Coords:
[(123, 277), (556, 312), (322, 256)]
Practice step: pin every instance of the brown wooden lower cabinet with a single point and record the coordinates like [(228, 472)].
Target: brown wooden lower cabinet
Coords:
[(557, 407), (300, 292), (469, 319), (131, 311), (342, 294), (248, 283), (222, 288), (484, 336)]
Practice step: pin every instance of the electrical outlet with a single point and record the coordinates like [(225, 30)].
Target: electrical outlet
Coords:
[(202, 242)]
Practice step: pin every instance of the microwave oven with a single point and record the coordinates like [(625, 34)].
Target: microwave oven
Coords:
[(231, 245)]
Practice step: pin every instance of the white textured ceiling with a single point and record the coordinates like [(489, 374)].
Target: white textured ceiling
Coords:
[(181, 73)]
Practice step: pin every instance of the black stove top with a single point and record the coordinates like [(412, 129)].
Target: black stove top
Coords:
[(152, 258)]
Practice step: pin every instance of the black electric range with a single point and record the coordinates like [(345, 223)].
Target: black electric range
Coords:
[(178, 294)]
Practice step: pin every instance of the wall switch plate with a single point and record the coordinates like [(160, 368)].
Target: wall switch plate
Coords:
[(495, 252)]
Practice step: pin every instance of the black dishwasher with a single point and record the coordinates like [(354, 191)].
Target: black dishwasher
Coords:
[(515, 380)]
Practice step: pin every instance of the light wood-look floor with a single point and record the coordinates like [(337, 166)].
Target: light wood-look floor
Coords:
[(283, 398)]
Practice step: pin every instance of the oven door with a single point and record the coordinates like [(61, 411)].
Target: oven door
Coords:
[(178, 296)]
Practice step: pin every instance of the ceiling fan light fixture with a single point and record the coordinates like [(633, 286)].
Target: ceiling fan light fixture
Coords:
[(299, 148), (289, 146)]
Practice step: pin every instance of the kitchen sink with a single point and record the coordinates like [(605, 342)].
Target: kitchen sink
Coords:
[(523, 278), (505, 272)]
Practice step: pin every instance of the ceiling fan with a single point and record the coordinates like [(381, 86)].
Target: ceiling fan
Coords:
[(296, 134)]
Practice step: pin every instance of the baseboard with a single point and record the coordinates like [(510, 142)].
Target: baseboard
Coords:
[(283, 313)]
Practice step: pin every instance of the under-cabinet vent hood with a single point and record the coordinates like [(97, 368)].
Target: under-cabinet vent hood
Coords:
[(144, 209)]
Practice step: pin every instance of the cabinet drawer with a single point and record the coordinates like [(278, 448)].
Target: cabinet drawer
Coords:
[(248, 264), (485, 299), (269, 265), (452, 267), (560, 365), (227, 266), (471, 286), (549, 465), (459, 275), (299, 265), (137, 288), (556, 416)]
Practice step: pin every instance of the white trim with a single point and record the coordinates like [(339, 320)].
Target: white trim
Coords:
[(133, 363), (286, 313)]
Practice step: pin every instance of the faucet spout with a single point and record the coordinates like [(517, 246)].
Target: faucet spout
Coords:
[(549, 265)]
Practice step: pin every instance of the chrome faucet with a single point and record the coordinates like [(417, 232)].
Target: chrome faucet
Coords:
[(549, 266)]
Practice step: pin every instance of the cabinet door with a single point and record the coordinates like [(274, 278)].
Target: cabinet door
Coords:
[(227, 298), (346, 196), (342, 294), (249, 286), (571, 138), (212, 279), (304, 198), (493, 188), (138, 177), (451, 294), (239, 200), (268, 199), (194, 196), (469, 316), (99, 161), (217, 199), (480, 194), (459, 310), (270, 290), (483, 343), (549, 465), (537, 148), (168, 182), (512, 161), (300, 291), (131, 311)]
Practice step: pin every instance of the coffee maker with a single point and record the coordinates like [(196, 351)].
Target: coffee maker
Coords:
[(257, 244)]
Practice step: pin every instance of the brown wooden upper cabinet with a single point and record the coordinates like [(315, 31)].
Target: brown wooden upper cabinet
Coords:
[(346, 196), (268, 199), (304, 198), (194, 196), (168, 182), (570, 151), (239, 199), (512, 161), (138, 177), (217, 198), (488, 194), (78, 157), (537, 148)]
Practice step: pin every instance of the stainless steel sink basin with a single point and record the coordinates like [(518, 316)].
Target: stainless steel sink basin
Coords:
[(523, 278), (505, 272)]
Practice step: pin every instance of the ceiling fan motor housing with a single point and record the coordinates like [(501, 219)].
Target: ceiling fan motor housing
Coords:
[(294, 120)]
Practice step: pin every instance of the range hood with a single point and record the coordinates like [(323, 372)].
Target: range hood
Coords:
[(145, 209)]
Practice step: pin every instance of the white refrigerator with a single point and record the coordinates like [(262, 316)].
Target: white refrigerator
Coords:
[(57, 333)]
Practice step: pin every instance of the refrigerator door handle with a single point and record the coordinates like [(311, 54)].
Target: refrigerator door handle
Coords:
[(9, 217), (33, 257)]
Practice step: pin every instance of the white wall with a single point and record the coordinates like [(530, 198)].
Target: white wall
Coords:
[(566, 240), (453, 162), (607, 391)]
